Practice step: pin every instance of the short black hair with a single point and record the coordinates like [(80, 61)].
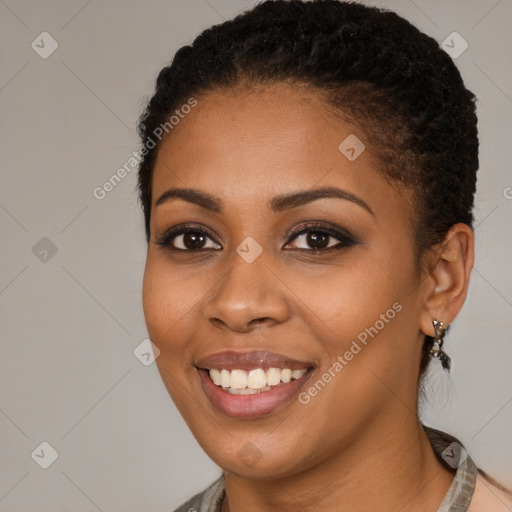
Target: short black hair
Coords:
[(373, 68)]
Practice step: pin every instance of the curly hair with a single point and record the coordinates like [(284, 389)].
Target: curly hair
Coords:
[(373, 68)]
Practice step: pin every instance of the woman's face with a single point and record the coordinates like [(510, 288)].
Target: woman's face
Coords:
[(245, 294)]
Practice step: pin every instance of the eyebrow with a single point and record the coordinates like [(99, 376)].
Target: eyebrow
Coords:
[(277, 204)]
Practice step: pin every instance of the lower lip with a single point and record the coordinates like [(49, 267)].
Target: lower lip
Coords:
[(255, 405)]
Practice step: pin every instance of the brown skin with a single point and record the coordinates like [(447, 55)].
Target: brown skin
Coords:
[(358, 444)]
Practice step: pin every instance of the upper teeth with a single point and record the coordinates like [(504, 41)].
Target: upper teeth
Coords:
[(256, 379)]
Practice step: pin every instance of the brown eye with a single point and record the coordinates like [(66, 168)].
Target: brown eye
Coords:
[(191, 240), (187, 239), (317, 239), (322, 238)]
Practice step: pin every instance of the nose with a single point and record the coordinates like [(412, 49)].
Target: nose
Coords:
[(248, 296)]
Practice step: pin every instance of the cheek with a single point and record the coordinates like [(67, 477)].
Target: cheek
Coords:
[(351, 297), (169, 298), (362, 312), (368, 334)]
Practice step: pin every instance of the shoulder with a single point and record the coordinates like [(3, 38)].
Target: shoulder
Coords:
[(488, 497), (208, 500)]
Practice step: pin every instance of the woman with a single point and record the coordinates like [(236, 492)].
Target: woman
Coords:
[(307, 186)]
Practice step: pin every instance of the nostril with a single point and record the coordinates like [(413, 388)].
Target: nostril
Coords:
[(260, 320)]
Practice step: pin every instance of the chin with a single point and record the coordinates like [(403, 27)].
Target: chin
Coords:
[(258, 454)]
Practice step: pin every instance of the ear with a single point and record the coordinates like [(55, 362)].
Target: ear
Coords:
[(447, 280)]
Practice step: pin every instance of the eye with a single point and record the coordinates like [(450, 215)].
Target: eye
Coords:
[(322, 238), (187, 238), (319, 237)]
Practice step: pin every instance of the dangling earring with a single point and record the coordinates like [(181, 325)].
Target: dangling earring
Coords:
[(437, 345)]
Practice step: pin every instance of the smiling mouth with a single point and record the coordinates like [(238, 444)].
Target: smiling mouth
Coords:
[(252, 384), (257, 380)]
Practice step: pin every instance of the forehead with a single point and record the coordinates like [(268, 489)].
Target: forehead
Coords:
[(248, 145), (277, 122)]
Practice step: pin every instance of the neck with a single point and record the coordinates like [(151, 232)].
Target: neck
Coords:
[(386, 469)]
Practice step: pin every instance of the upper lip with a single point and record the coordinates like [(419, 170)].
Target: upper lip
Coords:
[(248, 360)]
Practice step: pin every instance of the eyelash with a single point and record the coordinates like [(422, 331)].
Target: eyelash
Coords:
[(344, 238)]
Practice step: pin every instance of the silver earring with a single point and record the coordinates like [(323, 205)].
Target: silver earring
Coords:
[(437, 345)]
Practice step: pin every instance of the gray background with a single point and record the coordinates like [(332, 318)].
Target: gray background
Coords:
[(70, 321)]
